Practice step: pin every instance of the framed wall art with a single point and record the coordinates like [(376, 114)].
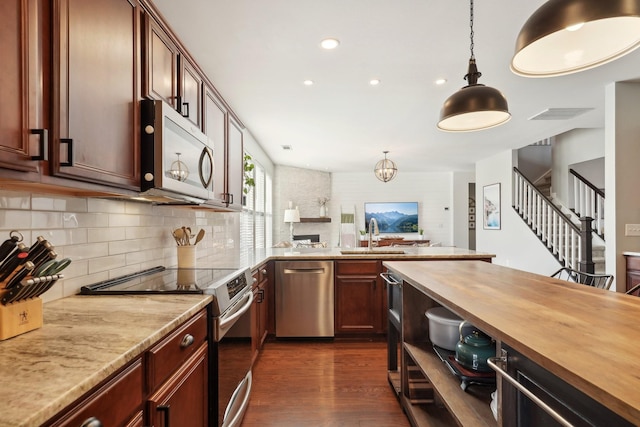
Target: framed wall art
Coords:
[(491, 207)]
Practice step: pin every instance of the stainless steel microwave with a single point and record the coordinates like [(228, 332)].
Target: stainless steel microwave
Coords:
[(177, 163)]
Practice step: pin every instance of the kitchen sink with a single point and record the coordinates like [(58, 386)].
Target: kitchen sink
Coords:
[(372, 251)]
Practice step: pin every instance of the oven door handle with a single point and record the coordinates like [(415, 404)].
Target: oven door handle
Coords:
[(226, 323), (236, 412)]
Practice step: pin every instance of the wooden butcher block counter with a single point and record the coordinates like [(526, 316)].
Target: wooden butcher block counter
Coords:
[(589, 338)]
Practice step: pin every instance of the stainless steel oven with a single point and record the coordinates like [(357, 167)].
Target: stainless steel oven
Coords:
[(230, 354), (231, 357)]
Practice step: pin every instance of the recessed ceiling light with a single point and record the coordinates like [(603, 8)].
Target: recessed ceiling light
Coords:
[(440, 81), (308, 82), (374, 82), (329, 43)]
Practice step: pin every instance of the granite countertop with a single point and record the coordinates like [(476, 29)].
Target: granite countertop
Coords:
[(588, 337), (254, 258), (84, 339)]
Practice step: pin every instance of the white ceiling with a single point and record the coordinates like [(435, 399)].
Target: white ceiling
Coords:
[(258, 52)]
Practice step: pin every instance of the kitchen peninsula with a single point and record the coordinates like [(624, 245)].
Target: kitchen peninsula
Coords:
[(584, 339)]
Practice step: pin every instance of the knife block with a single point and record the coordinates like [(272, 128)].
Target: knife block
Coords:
[(20, 317)]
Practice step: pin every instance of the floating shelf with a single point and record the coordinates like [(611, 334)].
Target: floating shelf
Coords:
[(323, 219)]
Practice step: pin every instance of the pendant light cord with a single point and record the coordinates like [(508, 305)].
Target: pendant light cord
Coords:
[(472, 73), (471, 27)]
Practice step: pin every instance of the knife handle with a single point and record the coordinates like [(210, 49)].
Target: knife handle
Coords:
[(17, 258), (19, 274)]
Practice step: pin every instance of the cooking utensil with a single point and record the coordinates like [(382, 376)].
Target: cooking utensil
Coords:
[(52, 267), (200, 236), (178, 234), (473, 350)]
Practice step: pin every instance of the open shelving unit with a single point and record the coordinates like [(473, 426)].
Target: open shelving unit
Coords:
[(319, 219), (422, 368)]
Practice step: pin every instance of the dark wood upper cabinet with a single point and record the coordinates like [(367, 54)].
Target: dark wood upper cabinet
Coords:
[(22, 25), (235, 162), (215, 127), (160, 65), (190, 97), (96, 48)]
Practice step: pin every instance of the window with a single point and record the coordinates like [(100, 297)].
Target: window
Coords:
[(256, 229)]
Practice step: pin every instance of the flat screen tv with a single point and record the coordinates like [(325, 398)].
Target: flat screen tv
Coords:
[(392, 217)]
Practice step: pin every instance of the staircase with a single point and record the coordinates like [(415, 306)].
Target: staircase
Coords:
[(568, 238)]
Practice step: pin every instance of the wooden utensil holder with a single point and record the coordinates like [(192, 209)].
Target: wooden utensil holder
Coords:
[(20, 317)]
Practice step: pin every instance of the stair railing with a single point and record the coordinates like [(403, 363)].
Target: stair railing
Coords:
[(570, 244), (588, 200)]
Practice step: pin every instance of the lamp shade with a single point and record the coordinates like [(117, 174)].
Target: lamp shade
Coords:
[(568, 36), (474, 107), (291, 215)]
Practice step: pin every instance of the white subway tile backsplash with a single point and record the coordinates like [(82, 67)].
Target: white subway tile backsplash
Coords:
[(108, 238), (14, 220), (105, 234), (15, 200)]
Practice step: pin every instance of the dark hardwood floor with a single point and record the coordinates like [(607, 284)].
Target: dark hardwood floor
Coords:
[(323, 383)]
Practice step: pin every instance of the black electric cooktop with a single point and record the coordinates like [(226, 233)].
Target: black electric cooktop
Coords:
[(166, 280)]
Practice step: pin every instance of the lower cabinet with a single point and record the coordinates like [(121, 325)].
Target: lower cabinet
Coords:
[(117, 403), (168, 385), (633, 271), (260, 309), (183, 399), (360, 298)]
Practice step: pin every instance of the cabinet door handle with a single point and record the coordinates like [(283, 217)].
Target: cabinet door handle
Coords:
[(230, 198), (187, 341), (165, 409), (263, 271), (185, 106), (496, 364), (42, 143), (69, 143), (91, 422)]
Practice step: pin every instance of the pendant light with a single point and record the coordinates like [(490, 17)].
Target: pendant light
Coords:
[(567, 36), (476, 106), (385, 169)]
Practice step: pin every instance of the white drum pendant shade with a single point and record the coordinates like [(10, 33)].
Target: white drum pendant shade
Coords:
[(568, 36)]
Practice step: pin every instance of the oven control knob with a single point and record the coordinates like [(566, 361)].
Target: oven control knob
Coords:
[(148, 177)]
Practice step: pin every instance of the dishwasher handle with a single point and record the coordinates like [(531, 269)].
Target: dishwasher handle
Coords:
[(303, 270), (390, 279)]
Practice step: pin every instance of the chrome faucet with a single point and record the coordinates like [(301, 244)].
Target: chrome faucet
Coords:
[(373, 225)]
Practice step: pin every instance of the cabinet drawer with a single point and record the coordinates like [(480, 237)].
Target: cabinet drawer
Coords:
[(112, 404), (166, 356), (633, 263), (358, 267)]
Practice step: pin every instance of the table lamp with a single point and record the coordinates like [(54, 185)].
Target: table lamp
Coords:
[(291, 216)]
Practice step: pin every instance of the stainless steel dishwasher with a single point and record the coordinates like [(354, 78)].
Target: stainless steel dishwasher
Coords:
[(304, 299)]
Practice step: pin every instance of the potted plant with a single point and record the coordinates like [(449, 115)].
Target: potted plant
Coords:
[(248, 178), (420, 233), (363, 233)]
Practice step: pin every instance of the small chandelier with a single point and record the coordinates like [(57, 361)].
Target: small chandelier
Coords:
[(567, 36), (179, 170), (385, 169), (476, 106)]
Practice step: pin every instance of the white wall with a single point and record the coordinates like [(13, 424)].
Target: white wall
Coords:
[(433, 191), (578, 145), (303, 187), (622, 175), (460, 201), (514, 244)]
